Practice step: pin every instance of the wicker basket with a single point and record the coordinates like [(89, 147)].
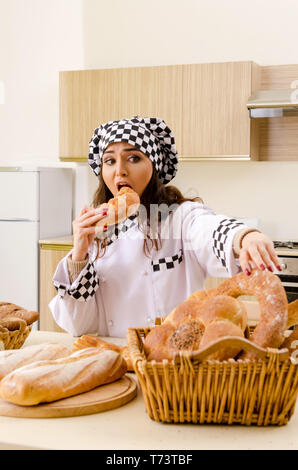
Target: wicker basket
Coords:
[(15, 339), (196, 390)]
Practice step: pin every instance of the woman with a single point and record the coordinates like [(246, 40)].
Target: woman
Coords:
[(144, 267)]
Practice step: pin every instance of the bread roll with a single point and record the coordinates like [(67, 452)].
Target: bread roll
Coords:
[(120, 207), (13, 323), (12, 359), (47, 381), (8, 309)]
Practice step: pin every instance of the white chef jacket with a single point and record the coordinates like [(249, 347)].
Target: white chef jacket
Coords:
[(125, 288)]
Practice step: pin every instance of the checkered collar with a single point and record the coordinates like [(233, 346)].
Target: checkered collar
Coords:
[(116, 231)]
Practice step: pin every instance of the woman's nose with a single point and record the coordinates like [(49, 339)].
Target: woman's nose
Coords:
[(121, 170)]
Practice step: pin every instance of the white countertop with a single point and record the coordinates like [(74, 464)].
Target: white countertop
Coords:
[(130, 428)]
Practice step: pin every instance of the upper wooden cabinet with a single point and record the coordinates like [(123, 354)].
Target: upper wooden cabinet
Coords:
[(91, 97), (216, 123), (204, 105)]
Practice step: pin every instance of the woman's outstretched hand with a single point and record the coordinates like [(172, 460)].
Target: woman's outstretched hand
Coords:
[(257, 251), (84, 230)]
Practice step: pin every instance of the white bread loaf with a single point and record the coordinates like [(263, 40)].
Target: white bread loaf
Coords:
[(12, 359), (47, 381)]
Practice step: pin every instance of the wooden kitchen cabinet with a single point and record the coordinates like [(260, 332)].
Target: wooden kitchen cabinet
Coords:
[(204, 105), (91, 97), (216, 122), (50, 255)]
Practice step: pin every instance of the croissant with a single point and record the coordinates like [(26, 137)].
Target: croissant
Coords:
[(120, 207)]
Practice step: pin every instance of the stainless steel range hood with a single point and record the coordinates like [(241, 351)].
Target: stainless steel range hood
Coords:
[(273, 103)]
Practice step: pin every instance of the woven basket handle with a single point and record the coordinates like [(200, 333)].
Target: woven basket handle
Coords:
[(233, 341)]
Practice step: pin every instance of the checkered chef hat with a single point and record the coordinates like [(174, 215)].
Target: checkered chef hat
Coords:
[(150, 135)]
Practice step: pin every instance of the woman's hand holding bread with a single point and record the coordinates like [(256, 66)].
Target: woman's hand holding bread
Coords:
[(91, 222), (84, 230)]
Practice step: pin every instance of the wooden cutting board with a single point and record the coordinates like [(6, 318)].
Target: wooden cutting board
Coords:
[(103, 398)]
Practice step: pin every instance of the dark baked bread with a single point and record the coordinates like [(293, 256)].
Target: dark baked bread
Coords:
[(8, 310)]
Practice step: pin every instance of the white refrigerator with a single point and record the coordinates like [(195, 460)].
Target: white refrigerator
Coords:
[(35, 203)]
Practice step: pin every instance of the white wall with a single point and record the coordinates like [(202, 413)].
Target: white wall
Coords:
[(262, 190), (121, 33), (38, 38)]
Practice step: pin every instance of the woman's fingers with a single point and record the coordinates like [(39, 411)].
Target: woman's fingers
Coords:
[(84, 210), (91, 220), (91, 212), (274, 257), (87, 231), (244, 260), (258, 251)]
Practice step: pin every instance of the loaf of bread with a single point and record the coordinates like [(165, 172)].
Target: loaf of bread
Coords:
[(8, 309), (87, 341), (12, 359), (47, 381), (120, 207)]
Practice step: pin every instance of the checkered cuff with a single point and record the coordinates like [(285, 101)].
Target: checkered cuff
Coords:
[(84, 287), (220, 236)]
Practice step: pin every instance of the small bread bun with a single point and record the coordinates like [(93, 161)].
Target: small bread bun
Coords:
[(120, 207)]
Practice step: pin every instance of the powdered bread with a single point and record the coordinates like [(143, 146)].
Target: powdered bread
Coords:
[(47, 381)]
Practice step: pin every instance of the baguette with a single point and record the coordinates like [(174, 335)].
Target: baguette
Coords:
[(12, 359), (87, 341), (47, 381)]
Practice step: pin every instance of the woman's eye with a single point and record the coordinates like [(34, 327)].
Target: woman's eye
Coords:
[(135, 158), (109, 161)]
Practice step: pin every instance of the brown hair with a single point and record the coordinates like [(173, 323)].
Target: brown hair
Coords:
[(155, 193)]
